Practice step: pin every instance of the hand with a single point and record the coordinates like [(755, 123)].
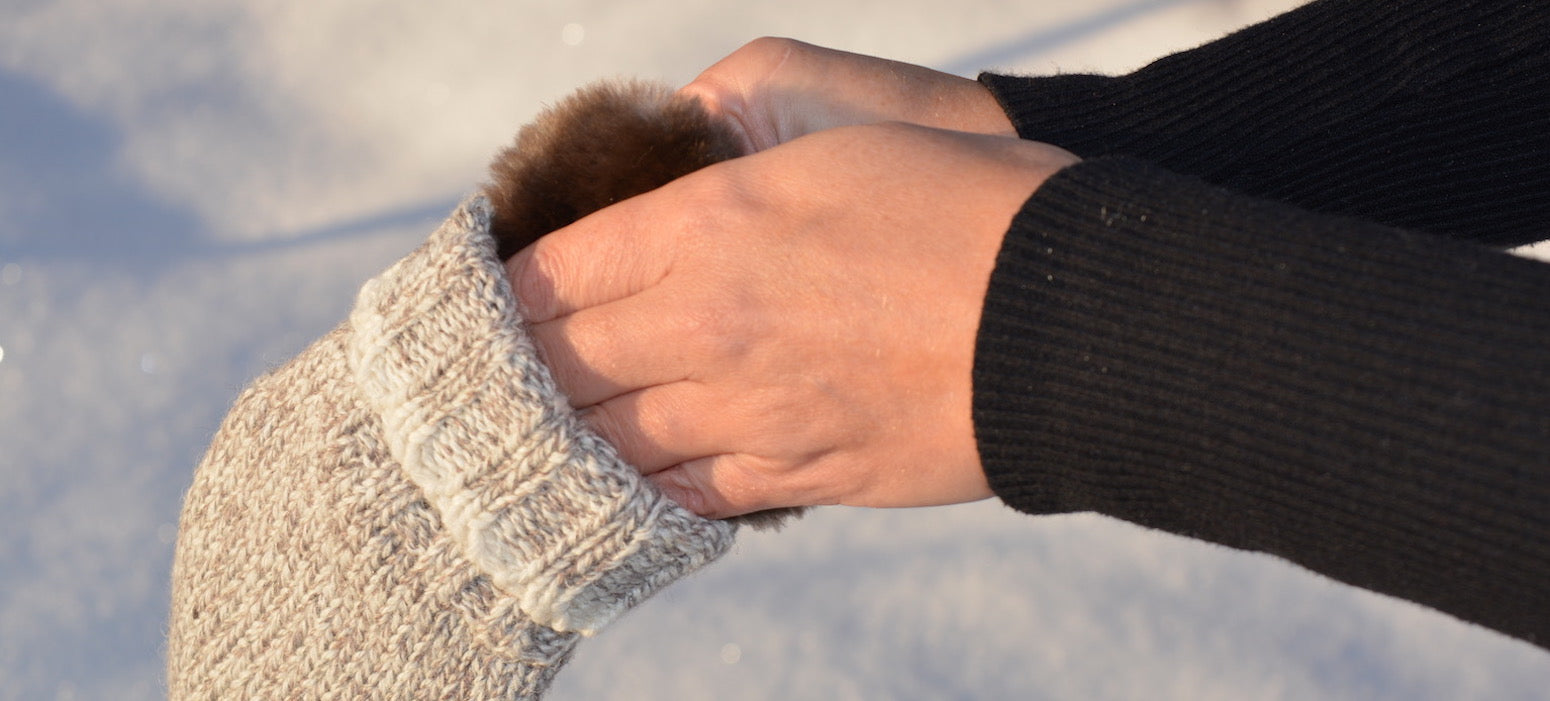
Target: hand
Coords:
[(794, 327), (775, 90)]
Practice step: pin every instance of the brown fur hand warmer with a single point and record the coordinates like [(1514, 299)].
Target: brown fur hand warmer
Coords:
[(606, 143), (410, 509)]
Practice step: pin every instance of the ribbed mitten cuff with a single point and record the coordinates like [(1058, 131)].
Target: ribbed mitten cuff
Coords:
[(1367, 401), (537, 501)]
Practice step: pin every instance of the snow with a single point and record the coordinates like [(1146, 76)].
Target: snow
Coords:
[(191, 192)]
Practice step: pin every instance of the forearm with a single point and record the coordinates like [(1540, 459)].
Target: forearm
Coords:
[(1432, 115), (1368, 402)]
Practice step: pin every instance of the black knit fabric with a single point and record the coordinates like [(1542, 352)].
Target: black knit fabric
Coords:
[(1432, 115), (1368, 397)]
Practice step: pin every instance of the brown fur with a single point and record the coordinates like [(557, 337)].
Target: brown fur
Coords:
[(608, 142)]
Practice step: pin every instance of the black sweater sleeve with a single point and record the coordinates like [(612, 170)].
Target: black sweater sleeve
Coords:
[(1369, 401), (1432, 115)]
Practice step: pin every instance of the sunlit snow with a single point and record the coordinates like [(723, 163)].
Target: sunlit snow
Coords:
[(191, 192)]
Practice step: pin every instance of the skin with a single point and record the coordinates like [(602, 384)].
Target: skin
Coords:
[(795, 327), (775, 90)]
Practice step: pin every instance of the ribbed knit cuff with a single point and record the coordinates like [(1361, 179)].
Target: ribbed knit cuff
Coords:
[(1369, 402), (1147, 316), (1430, 115), (537, 501), (1272, 82)]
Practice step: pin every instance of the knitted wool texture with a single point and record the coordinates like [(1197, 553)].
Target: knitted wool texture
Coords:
[(409, 509)]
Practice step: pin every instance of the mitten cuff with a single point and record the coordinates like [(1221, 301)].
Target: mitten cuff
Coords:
[(536, 500)]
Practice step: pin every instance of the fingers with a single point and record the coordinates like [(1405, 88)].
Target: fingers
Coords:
[(679, 435), (723, 98), (758, 334), (706, 487), (606, 256), (650, 427), (734, 89), (727, 485), (602, 352), (775, 90), (651, 431)]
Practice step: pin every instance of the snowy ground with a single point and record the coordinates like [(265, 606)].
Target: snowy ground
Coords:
[(190, 192)]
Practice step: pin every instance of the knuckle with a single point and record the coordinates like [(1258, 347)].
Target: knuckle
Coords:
[(739, 87), (556, 352), (622, 431), (800, 427), (590, 344), (711, 207), (753, 60), (719, 331), (681, 487), (770, 49), (708, 191), (731, 487), (659, 422), (602, 420), (537, 281)]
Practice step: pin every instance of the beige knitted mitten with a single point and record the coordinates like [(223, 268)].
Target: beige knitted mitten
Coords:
[(409, 509)]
